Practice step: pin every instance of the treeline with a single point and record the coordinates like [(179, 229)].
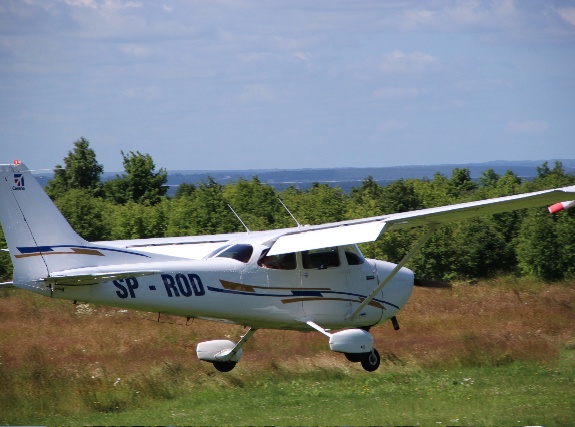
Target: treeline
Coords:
[(528, 242)]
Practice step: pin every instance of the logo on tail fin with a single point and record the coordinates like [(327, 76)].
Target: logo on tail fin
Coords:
[(18, 181)]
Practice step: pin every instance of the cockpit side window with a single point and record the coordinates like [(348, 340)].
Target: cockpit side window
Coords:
[(215, 252), (240, 252), (353, 255), (320, 258), (278, 262)]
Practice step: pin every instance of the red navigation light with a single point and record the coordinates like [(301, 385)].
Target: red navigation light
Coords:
[(17, 162), (557, 207)]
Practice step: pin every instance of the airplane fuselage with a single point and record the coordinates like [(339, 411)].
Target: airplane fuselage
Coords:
[(229, 290)]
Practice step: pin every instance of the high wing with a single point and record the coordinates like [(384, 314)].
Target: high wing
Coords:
[(369, 229)]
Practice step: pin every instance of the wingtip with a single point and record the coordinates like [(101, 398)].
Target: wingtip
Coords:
[(558, 207)]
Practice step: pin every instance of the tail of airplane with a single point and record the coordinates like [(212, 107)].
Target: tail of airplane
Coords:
[(41, 242)]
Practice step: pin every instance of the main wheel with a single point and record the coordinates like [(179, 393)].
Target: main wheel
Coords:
[(224, 366), (355, 357), (371, 361)]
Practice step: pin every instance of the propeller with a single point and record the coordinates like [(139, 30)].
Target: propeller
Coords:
[(430, 283)]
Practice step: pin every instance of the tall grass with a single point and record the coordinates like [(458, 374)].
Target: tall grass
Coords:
[(61, 362)]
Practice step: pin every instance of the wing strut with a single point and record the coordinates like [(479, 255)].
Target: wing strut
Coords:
[(407, 257), (240, 344)]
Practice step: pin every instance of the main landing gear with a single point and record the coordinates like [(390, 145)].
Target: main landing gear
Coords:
[(224, 354), (355, 344)]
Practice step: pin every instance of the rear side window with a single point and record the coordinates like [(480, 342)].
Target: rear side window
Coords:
[(320, 258), (240, 252)]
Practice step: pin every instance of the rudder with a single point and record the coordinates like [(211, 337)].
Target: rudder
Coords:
[(40, 240)]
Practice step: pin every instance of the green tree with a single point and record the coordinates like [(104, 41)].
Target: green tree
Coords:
[(460, 182), (137, 221), (5, 261), (256, 203), (366, 200), (185, 190), (552, 178), (141, 184), (206, 212), (565, 229), (489, 178), (435, 192), (538, 251), (481, 249), (437, 258), (294, 199), (400, 196), (88, 215), (81, 171), (323, 204)]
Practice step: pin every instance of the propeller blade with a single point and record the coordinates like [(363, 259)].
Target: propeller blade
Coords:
[(429, 283)]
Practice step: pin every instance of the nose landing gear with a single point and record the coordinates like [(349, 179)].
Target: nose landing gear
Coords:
[(369, 361)]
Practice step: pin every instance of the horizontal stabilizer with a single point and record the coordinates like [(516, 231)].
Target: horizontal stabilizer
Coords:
[(58, 279)]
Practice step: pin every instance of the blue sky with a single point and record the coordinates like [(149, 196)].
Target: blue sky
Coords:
[(246, 84)]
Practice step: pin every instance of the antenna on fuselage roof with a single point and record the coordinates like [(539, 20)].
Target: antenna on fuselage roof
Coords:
[(288, 211), (238, 217)]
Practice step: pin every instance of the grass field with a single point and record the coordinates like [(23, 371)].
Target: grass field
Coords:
[(500, 352)]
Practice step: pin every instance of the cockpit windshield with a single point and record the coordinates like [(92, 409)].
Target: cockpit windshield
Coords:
[(353, 255), (239, 252)]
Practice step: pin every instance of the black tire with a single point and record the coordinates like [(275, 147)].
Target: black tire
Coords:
[(224, 366), (371, 361), (355, 357)]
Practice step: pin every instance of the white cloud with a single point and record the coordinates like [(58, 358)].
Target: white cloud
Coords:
[(135, 50), (398, 93), (92, 4), (407, 62), (391, 125), (568, 15), (528, 126), (301, 55), (146, 93), (105, 4), (257, 93), (414, 19)]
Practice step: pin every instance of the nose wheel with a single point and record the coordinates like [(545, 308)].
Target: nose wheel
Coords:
[(369, 361)]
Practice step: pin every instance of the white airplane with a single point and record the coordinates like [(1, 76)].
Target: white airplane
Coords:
[(303, 278)]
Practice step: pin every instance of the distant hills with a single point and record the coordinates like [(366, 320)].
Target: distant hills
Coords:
[(347, 178)]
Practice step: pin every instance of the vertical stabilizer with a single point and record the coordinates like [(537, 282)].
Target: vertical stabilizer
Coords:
[(40, 240), (33, 226)]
